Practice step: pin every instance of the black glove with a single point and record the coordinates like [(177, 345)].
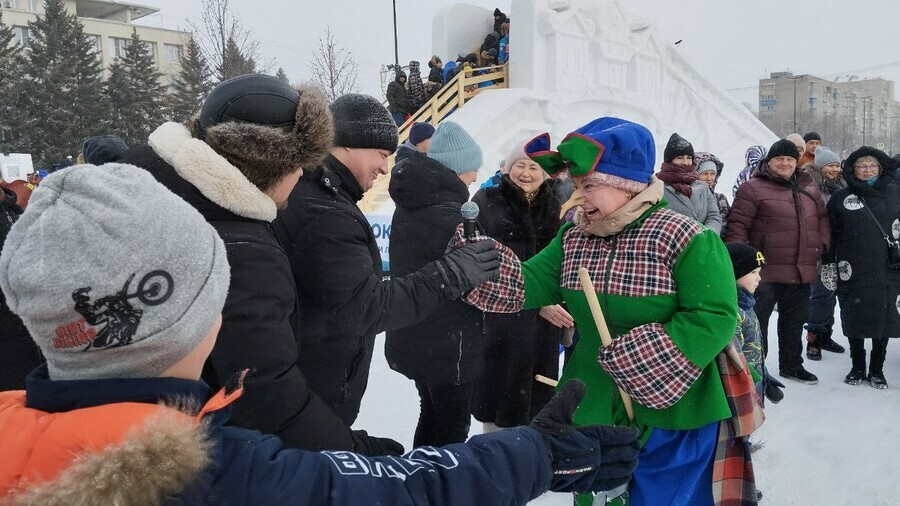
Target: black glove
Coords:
[(773, 389), (584, 459), (371, 446), (468, 266)]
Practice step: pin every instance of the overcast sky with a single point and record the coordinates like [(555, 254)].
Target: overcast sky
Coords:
[(733, 42)]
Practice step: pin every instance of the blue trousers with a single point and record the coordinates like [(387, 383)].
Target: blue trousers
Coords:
[(820, 317), (675, 468)]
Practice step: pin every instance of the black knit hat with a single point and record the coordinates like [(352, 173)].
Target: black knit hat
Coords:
[(783, 147), (360, 121), (744, 258), (103, 149), (677, 146), (812, 136)]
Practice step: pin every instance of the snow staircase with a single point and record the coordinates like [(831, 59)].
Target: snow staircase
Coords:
[(454, 95)]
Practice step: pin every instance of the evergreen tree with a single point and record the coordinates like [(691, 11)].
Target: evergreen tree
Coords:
[(192, 85), (61, 103), (282, 75), (234, 62), (10, 84), (136, 99)]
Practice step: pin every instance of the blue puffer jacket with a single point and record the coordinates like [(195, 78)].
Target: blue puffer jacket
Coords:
[(244, 466)]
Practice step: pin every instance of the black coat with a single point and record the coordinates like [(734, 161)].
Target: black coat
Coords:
[(344, 300), (260, 323), (398, 97), (18, 352), (526, 228), (867, 288), (447, 347)]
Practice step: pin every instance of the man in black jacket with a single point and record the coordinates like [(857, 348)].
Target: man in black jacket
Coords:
[(18, 353), (344, 300), (237, 164)]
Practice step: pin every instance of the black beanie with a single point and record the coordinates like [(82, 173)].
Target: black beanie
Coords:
[(783, 147), (677, 146), (812, 136), (744, 258), (360, 121), (103, 149)]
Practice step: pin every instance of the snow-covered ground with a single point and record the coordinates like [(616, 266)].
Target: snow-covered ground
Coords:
[(828, 444)]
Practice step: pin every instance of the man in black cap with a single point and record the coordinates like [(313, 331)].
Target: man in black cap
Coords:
[(812, 140), (344, 299), (781, 213), (237, 164)]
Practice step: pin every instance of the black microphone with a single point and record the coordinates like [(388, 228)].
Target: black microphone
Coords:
[(469, 212)]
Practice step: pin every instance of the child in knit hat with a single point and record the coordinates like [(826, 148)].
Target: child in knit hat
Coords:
[(664, 284), (748, 262)]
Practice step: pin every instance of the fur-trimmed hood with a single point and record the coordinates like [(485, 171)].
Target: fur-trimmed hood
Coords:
[(232, 163), (208, 171), (170, 443)]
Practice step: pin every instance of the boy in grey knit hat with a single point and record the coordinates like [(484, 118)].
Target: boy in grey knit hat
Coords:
[(121, 283), (98, 297)]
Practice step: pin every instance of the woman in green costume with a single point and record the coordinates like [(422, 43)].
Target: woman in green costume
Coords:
[(666, 286)]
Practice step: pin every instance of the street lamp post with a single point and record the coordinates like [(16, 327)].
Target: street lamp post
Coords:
[(396, 50), (795, 103)]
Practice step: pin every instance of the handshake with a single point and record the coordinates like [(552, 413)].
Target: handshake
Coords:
[(464, 268)]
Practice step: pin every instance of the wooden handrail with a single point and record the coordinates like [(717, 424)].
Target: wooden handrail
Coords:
[(451, 96)]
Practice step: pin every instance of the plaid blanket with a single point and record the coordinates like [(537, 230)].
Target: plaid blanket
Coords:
[(734, 483), (506, 294)]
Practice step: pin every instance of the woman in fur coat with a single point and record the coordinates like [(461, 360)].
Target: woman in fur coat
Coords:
[(522, 212)]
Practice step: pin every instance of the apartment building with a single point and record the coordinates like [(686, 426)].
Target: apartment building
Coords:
[(110, 24), (847, 112)]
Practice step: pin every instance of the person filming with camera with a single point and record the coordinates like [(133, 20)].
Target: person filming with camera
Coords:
[(864, 264)]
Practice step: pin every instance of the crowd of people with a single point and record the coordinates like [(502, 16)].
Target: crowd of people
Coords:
[(406, 94), (209, 301)]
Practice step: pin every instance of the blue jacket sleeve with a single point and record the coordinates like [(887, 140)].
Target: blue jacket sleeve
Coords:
[(510, 467)]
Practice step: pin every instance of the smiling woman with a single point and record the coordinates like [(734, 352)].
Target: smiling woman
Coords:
[(522, 212)]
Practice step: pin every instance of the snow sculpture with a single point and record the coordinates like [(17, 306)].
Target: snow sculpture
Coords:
[(574, 60)]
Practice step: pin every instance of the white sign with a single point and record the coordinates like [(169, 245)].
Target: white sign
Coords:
[(381, 228), (16, 167)]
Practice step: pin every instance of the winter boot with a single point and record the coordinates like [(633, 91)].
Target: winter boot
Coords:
[(813, 351), (876, 376), (800, 375), (858, 356), (827, 343)]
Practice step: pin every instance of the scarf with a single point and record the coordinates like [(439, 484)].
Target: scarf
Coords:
[(625, 215), (678, 177), (733, 477)]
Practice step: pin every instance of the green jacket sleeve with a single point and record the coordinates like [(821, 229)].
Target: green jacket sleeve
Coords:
[(707, 300), (541, 273)]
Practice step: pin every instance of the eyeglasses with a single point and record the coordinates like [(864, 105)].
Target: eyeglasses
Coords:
[(864, 168)]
